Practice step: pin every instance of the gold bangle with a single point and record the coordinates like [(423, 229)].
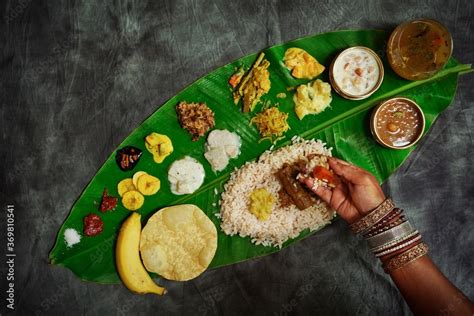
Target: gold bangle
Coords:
[(406, 257), (369, 220)]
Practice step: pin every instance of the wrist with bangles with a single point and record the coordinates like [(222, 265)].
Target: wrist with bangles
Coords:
[(390, 236)]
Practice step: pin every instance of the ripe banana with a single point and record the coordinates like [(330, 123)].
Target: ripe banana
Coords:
[(127, 257)]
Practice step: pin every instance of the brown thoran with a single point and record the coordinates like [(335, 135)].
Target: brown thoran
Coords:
[(196, 118)]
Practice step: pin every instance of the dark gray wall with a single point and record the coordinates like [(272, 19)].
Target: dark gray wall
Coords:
[(78, 76)]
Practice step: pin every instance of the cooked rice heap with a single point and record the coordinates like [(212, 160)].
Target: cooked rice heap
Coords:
[(284, 222)]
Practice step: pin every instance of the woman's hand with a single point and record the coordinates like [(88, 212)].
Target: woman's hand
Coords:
[(357, 192)]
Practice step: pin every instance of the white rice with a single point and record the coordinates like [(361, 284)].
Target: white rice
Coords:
[(284, 223)]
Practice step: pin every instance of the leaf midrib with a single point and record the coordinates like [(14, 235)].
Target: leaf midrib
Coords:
[(462, 68)]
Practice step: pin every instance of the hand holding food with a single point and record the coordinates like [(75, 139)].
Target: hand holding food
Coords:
[(355, 195)]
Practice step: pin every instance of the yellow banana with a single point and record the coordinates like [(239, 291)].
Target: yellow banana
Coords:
[(127, 256)]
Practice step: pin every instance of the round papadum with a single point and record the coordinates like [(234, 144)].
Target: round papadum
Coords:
[(178, 242)]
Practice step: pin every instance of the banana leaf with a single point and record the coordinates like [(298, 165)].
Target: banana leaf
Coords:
[(344, 127)]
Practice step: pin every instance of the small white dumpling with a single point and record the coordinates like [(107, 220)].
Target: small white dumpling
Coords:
[(218, 158), (221, 146)]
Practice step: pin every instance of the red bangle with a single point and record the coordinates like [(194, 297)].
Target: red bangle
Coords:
[(395, 221), (375, 216), (387, 219)]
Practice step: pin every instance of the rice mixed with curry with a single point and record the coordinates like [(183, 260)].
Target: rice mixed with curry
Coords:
[(283, 220)]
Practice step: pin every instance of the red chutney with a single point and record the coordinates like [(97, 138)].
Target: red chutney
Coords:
[(93, 225), (108, 202)]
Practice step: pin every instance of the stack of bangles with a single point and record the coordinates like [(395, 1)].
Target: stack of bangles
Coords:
[(390, 236)]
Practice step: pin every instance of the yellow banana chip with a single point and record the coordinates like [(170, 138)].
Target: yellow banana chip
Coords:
[(135, 177), (178, 242), (148, 185), (125, 185), (132, 200)]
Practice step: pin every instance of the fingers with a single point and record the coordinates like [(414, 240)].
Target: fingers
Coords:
[(339, 161), (324, 193), (348, 172)]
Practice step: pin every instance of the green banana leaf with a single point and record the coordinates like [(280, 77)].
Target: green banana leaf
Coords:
[(344, 127)]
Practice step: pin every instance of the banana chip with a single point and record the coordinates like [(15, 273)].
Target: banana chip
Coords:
[(135, 177), (178, 242), (125, 185), (148, 185)]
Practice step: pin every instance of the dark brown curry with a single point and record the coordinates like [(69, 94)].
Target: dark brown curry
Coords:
[(398, 123)]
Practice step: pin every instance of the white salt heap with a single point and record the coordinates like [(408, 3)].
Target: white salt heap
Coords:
[(71, 237)]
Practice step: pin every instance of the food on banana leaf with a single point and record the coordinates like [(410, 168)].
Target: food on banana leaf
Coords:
[(253, 85), (127, 258), (148, 185), (292, 191), (261, 203), (128, 157), (135, 177), (312, 98), (178, 242), (132, 200), (221, 146), (108, 203), (418, 49), (356, 73), (271, 123), (125, 185), (301, 64), (196, 118), (398, 123), (234, 80), (284, 222), (318, 171), (93, 225), (186, 176), (159, 146), (132, 190), (71, 237)]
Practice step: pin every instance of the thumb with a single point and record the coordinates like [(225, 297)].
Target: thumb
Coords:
[(348, 172)]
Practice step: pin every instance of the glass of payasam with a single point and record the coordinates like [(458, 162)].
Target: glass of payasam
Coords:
[(418, 49), (356, 73)]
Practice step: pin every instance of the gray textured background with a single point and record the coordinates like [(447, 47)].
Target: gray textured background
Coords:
[(78, 76)]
